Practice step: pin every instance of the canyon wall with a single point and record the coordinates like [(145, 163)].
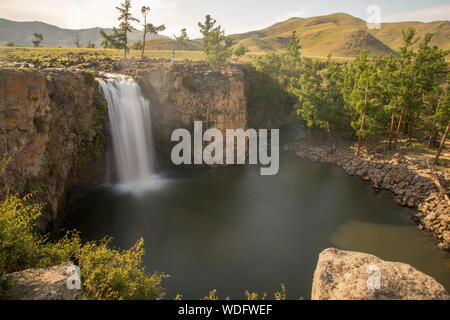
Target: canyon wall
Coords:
[(183, 93), (53, 124), (52, 137)]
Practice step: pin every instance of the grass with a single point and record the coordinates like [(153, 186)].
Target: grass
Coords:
[(340, 35), (12, 54), (59, 56)]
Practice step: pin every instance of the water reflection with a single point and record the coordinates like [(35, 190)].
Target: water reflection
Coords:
[(234, 230)]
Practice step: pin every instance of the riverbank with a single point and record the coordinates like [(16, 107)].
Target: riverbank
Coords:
[(404, 173)]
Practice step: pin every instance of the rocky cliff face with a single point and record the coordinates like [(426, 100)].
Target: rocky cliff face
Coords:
[(52, 123), (52, 137), (183, 93)]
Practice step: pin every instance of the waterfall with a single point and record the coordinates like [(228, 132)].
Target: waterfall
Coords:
[(131, 132)]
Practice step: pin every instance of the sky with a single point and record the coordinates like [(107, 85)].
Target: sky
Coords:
[(235, 16)]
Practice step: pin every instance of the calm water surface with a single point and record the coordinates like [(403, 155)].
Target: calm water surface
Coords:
[(234, 230)]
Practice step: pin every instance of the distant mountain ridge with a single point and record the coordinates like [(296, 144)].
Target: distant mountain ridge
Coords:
[(338, 34), (21, 34)]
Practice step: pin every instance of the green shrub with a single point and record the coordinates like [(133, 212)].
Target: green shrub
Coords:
[(212, 296), (89, 78), (17, 241), (106, 273), (282, 294), (113, 275), (20, 246)]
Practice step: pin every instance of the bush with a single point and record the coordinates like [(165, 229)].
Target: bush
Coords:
[(106, 273), (20, 246), (89, 78), (114, 275)]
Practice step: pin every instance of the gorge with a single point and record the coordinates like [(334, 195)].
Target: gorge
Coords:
[(225, 228)]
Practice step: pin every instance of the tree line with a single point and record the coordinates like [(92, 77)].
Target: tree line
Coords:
[(378, 96), (217, 47)]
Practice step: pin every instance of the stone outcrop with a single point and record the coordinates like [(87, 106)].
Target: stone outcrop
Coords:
[(345, 275), (40, 284), (409, 182), (52, 136)]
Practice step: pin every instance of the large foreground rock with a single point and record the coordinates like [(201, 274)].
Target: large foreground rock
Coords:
[(40, 284), (345, 275)]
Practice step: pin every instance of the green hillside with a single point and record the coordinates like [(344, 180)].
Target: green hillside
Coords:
[(170, 44), (390, 33), (339, 34)]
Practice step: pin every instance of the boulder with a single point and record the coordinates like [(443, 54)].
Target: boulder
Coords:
[(346, 275), (40, 284)]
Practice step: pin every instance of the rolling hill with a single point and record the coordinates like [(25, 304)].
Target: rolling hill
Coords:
[(340, 34), (169, 44), (21, 34), (391, 33)]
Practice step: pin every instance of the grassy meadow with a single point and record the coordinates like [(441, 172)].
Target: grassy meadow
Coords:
[(58, 55), (12, 54)]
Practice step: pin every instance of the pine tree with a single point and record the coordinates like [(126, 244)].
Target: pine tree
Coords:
[(294, 45), (182, 38), (38, 39), (216, 46), (125, 26), (115, 40), (77, 42), (240, 51), (206, 30), (361, 81), (148, 28), (404, 78), (90, 44)]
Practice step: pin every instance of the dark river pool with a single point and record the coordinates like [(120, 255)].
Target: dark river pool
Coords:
[(233, 230)]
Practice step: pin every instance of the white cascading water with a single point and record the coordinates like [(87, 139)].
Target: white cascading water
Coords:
[(131, 131)]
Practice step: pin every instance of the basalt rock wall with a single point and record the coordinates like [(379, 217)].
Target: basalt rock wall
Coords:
[(52, 136), (183, 93)]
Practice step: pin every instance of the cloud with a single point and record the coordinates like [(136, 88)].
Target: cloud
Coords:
[(425, 15), (81, 13)]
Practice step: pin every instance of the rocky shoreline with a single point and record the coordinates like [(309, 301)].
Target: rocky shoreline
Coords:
[(408, 181)]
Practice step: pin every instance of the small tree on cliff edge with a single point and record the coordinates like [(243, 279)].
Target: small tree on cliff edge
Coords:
[(148, 28), (240, 51), (216, 46), (294, 45), (38, 39), (183, 38), (125, 25)]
